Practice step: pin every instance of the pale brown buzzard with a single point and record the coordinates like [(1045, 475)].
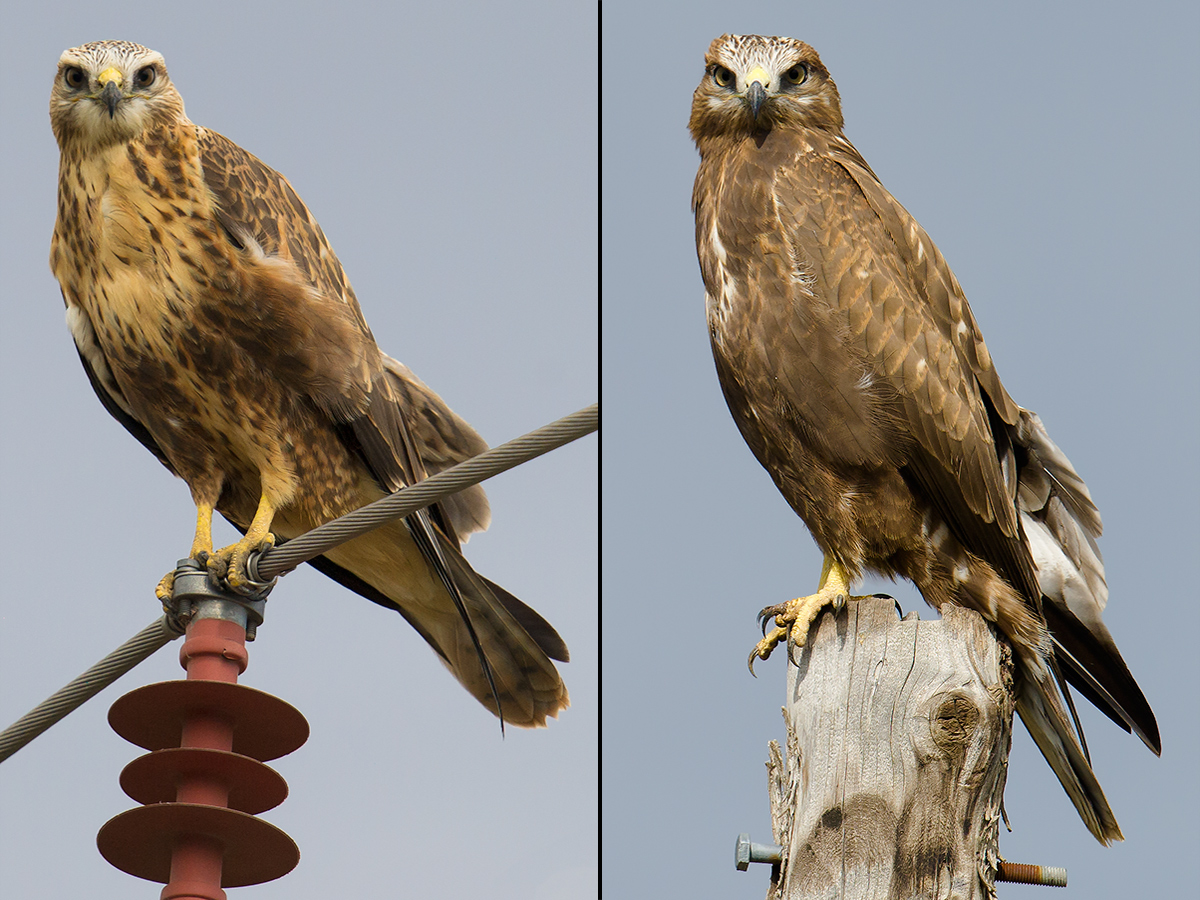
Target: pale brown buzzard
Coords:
[(217, 325)]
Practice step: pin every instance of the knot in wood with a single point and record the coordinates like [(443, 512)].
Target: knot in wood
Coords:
[(953, 723)]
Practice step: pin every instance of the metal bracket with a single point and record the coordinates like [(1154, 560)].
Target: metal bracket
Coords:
[(196, 595)]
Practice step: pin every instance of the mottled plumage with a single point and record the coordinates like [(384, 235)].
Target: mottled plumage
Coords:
[(217, 325), (856, 373)]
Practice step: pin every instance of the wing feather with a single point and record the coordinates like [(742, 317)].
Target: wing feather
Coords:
[(329, 353), (940, 394)]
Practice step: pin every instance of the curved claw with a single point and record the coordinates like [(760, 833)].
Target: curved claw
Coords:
[(165, 589), (794, 619), (228, 566), (762, 650), (771, 612)]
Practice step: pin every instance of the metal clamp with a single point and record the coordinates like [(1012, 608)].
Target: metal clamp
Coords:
[(255, 586), (195, 594)]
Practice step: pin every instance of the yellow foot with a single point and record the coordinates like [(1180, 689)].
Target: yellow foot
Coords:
[(794, 618), (165, 589), (229, 563)]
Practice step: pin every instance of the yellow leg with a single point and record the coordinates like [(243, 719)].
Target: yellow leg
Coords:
[(794, 618), (201, 549), (202, 543)]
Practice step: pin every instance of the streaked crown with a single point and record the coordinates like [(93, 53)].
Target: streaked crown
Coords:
[(106, 92), (793, 88)]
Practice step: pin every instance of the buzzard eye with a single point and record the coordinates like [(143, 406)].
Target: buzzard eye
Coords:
[(722, 76), (74, 77), (144, 77), (796, 74)]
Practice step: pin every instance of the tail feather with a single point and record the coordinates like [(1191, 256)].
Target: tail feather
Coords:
[(521, 666), (517, 642), (1042, 712), (531, 620), (1097, 670)]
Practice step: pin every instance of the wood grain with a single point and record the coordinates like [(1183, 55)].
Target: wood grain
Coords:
[(898, 740)]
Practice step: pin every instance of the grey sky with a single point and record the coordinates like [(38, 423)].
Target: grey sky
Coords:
[(451, 157), (1050, 151)]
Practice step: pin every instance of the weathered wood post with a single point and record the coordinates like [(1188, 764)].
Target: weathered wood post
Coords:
[(898, 734)]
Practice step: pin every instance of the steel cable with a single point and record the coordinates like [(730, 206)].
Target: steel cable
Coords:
[(313, 543), (67, 699)]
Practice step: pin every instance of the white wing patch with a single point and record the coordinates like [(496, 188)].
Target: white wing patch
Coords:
[(85, 339), (1059, 577), (718, 248), (719, 307)]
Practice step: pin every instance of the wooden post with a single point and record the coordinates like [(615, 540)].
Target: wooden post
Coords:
[(898, 734)]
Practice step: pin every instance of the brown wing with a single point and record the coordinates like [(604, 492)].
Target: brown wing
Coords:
[(1035, 477), (370, 400), (332, 356), (255, 200), (915, 332)]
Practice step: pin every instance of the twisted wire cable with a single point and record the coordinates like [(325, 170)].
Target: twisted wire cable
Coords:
[(281, 559), (451, 481), (69, 698)]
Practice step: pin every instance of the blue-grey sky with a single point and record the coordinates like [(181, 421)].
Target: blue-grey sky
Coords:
[(1050, 150), (449, 152)]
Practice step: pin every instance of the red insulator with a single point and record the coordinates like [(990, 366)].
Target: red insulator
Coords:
[(205, 778)]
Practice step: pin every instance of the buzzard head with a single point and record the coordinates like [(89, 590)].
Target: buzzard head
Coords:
[(108, 92), (752, 84)]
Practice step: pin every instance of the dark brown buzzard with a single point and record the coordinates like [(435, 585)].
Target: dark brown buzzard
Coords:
[(856, 373)]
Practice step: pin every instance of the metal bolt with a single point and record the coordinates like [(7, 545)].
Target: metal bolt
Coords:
[(1021, 873), (747, 852)]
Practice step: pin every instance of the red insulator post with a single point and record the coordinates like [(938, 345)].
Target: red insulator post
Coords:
[(204, 780), (214, 650)]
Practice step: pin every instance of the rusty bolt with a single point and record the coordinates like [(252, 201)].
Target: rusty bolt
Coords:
[(1021, 873)]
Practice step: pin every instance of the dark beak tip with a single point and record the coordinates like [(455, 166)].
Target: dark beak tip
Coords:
[(756, 96), (111, 95)]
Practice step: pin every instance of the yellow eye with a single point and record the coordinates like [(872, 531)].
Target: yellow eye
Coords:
[(723, 77), (74, 77), (797, 74), (144, 77)]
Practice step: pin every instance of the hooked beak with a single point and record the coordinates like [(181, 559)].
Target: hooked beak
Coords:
[(111, 95), (756, 96), (756, 91)]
